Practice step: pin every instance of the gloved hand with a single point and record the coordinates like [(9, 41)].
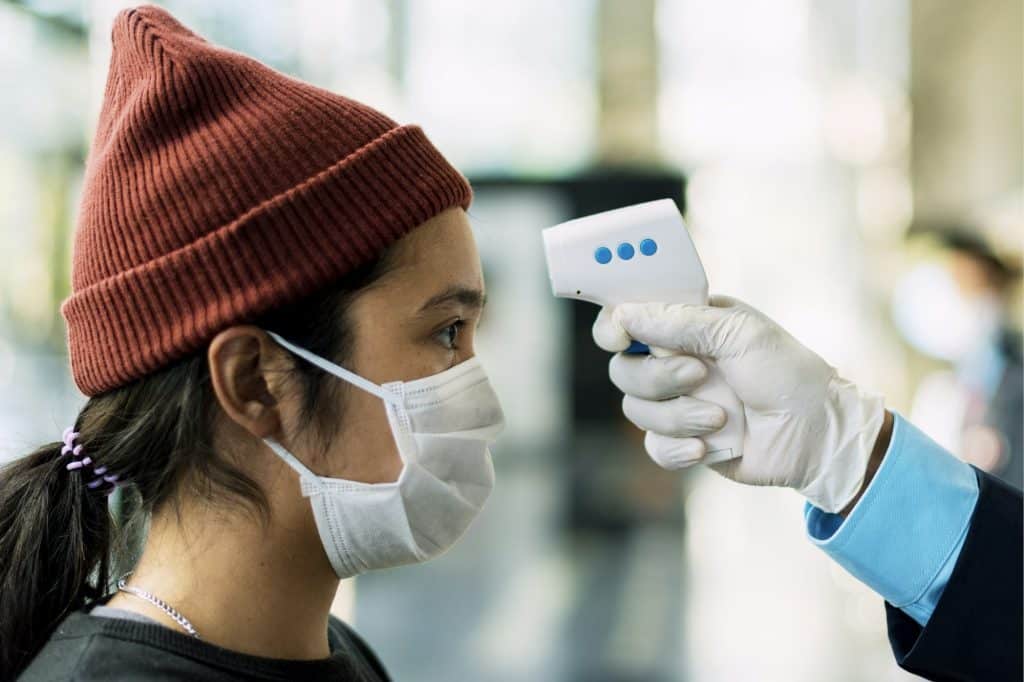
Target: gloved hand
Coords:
[(807, 428)]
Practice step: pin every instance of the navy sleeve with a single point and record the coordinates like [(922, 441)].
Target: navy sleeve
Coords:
[(975, 632)]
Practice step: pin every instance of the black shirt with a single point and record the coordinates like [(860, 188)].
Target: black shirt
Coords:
[(86, 648)]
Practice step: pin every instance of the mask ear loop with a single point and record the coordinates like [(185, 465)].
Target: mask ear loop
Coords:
[(339, 371), (291, 460), (393, 397)]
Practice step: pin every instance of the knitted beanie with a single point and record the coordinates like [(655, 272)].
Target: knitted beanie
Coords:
[(218, 189)]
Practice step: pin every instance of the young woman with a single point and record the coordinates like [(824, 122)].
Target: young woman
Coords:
[(274, 295)]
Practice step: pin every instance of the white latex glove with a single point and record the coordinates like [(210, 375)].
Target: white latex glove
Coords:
[(807, 428)]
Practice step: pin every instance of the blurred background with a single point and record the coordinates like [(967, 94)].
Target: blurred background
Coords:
[(853, 168)]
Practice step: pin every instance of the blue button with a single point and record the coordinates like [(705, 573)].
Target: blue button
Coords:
[(648, 247), (603, 255), (626, 251)]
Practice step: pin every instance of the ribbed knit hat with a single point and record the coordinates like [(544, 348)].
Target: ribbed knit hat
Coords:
[(217, 189)]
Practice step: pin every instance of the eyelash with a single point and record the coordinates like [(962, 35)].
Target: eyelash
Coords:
[(457, 325)]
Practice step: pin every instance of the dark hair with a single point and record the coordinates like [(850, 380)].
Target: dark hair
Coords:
[(58, 540), (1002, 271)]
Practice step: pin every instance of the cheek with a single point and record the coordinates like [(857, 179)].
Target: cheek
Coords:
[(386, 350), (364, 449)]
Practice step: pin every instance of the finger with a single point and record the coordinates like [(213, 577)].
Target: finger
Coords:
[(651, 378), (692, 329), (681, 417), (609, 334), (674, 453)]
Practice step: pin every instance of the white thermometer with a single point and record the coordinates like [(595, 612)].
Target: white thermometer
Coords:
[(642, 254)]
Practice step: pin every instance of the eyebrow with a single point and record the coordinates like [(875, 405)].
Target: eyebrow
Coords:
[(471, 298)]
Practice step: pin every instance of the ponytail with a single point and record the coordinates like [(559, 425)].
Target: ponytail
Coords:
[(58, 542), (55, 537)]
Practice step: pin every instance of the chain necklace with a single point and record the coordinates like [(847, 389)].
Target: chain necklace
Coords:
[(160, 604)]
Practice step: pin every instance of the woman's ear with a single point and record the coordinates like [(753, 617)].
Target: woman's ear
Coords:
[(248, 372)]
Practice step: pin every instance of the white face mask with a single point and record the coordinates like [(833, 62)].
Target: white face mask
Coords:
[(938, 319), (442, 425)]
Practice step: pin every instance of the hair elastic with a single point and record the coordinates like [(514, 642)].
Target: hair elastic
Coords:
[(99, 472)]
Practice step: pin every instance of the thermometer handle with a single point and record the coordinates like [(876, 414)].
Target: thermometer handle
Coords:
[(727, 442)]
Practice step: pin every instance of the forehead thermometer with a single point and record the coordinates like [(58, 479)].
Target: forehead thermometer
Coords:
[(642, 254)]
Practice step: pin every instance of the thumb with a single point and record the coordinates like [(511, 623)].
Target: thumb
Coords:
[(608, 333), (690, 329)]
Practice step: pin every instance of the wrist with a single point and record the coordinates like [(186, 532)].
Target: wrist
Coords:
[(881, 446)]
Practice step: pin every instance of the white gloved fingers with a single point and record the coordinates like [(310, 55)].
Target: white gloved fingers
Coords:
[(674, 453), (608, 333), (691, 329), (652, 378), (681, 417), (730, 469)]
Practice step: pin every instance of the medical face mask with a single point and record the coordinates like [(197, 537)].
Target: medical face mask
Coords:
[(442, 425), (938, 319)]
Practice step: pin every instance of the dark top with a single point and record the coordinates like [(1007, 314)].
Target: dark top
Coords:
[(86, 647), (1006, 406), (975, 631)]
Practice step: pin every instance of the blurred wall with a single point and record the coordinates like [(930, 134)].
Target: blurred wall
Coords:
[(966, 90)]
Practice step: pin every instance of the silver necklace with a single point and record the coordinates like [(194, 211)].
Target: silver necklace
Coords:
[(160, 604)]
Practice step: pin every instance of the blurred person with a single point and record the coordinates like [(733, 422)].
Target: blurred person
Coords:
[(938, 539), (956, 310), (241, 235)]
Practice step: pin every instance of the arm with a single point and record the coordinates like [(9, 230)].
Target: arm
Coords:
[(975, 631), (926, 534), (904, 534), (897, 511), (875, 461)]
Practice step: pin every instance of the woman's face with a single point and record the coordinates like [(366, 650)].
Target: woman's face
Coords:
[(417, 320)]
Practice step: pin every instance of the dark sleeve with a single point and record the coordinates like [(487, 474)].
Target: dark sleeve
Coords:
[(975, 632), (339, 631), (1003, 415)]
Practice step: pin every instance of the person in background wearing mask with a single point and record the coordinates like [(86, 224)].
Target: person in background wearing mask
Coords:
[(955, 309), (940, 540), (241, 236)]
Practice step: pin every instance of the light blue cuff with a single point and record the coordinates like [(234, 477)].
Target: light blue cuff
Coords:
[(903, 537)]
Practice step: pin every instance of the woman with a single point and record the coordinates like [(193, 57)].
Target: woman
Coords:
[(242, 236)]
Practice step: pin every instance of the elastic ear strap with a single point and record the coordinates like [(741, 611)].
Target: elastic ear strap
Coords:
[(338, 371), (291, 460)]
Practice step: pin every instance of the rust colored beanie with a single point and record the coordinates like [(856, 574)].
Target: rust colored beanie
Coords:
[(218, 189)]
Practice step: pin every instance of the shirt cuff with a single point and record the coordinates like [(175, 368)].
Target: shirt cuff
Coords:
[(904, 535)]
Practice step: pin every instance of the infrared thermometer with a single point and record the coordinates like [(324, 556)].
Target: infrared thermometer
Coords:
[(642, 254)]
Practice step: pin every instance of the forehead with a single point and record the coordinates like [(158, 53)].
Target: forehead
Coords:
[(440, 252)]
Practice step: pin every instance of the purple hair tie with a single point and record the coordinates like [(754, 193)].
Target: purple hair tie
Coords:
[(100, 472), (69, 442), (100, 480)]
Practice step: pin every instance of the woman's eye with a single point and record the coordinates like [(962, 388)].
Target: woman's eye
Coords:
[(450, 334)]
